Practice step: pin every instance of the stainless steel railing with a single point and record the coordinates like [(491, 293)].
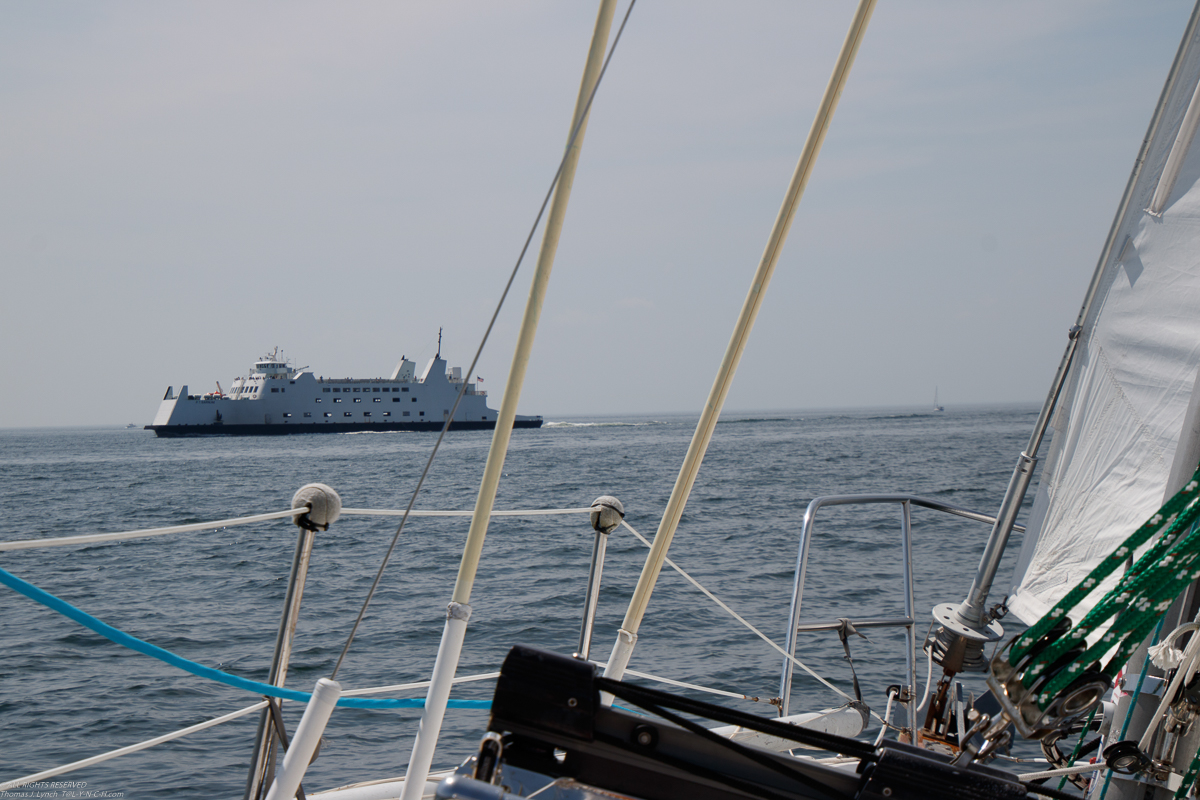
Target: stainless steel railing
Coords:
[(908, 621)]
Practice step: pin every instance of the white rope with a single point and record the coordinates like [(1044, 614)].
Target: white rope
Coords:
[(1077, 769), (401, 687), (63, 541), (928, 682), (133, 748), (742, 620), (887, 719), (681, 684), (1187, 667), (376, 512)]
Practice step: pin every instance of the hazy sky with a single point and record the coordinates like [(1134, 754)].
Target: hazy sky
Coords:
[(186, 185)]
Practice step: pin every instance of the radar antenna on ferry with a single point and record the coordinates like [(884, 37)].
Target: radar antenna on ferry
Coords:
[(439, 350)]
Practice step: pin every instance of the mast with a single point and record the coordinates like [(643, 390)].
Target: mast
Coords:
[(968, 626), (627, 635), (459, 610)]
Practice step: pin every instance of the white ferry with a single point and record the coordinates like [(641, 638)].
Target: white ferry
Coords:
[(277, 398)]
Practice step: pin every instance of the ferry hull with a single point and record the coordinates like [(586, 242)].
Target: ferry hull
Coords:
[(171, 431), (276, 399)]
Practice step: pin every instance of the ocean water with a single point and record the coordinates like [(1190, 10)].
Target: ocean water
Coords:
[(216, 596)]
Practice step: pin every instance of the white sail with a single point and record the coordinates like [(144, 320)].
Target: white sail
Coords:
[(1122, 416)]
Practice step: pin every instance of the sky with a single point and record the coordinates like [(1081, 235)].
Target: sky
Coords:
[(185, 186)]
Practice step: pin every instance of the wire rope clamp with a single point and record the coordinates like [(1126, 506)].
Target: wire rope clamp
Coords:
[(606, 514), (323, 503)]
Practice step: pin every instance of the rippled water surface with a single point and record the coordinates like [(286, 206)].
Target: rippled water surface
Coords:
[(215, 597)]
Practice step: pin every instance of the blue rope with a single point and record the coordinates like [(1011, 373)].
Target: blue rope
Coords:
[(199, 670)]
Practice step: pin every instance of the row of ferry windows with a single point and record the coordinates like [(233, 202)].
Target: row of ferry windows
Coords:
[(329, 414), (373, 399), (351, 414), (367, 390)]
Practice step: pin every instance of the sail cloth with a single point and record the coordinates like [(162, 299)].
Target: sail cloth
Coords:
[(1125, 405)]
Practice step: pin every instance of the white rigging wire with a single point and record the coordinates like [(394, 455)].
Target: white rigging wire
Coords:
[(403, 687), (62, 541), (376, 512), (743, 620), (681, 684), (133, 748), (92, 538)]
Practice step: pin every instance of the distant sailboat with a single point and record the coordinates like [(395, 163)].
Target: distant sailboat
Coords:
[(936, 405)]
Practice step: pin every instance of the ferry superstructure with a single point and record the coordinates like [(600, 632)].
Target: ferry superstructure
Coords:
[(276, 398)]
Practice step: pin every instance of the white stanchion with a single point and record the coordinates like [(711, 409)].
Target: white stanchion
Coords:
[(435, 702), (304, 743), (443, 670)]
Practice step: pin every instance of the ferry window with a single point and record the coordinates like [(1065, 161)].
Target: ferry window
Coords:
[(406, 413), (274, 390), (284, 389), (358, 399), (324, 390), (356, 390), (375, 389), (395, 399), (329, 413), (405, 389), (484, 418), (286, 414), (378, 399), (422, 413), (337, 399), (336, 390), (318, 400), (386, 389), (309, 414), (387, 413), (366, 413), (347, 414), (414, 399)]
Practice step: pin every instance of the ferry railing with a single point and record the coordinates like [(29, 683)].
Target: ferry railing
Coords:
[(908, 621)]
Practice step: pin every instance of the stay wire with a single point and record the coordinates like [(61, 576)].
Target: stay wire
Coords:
[(483, 342)]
